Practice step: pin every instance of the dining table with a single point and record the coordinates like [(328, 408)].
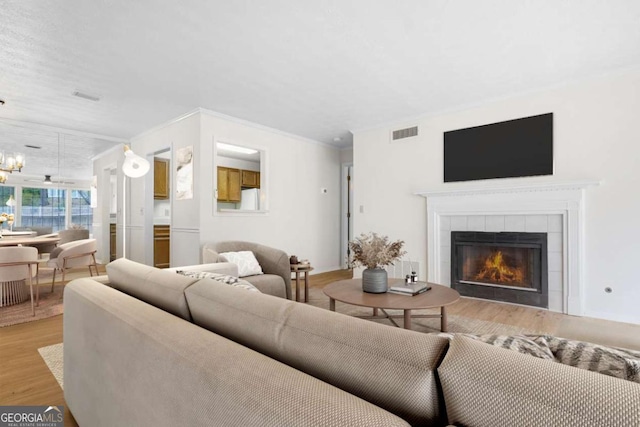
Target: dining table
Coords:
[(27, 240)]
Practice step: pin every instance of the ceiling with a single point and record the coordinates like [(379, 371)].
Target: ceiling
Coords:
[(316, 69), (63, 156)]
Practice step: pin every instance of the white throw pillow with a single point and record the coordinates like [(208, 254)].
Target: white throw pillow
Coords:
[(246, 262)]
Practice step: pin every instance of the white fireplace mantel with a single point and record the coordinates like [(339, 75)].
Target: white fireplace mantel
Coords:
[(534, 198)]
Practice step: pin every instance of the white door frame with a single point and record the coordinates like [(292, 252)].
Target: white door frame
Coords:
[(346, 206)]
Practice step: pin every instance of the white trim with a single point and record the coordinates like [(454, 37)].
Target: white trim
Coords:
[(104, 153), (566, 199), (243, 122), (167, 123), (184, 230), (264, 180), (319, 271), (264, 128), (465, 189), (344, 221)]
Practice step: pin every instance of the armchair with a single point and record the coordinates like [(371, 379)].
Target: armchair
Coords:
[(79, 253), (276, 279)]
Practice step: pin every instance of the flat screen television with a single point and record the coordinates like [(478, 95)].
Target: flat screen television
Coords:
[(515, 148)]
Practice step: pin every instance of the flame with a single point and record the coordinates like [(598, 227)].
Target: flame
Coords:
[(496, 270)]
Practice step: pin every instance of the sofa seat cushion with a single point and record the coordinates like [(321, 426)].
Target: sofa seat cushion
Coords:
[(389, 367), (270, 284), (484, 385), (220, 278), (162, 289)]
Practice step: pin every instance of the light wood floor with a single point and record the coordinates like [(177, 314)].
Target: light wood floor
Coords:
[(598, 331), (26, 380)]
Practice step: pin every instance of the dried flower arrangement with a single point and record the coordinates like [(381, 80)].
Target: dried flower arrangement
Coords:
[(374, 251), (76, 227)]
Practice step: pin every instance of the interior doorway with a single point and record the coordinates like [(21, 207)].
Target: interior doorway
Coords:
[(162, 207), (346, 223)]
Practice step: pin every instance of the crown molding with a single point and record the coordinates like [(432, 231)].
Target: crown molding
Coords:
[(493, 188)]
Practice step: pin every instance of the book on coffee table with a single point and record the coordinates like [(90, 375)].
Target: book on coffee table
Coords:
[(410, 289)]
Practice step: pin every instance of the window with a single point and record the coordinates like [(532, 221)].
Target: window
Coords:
[(5, 192), (81, 212), (43, 207)]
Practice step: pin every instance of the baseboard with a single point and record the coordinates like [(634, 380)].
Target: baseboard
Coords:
[(325, 270), (634, 320)]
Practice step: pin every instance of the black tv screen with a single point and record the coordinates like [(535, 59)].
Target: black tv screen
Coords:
[(515, 148)]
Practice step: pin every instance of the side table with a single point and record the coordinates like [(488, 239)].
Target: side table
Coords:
[(298, 269)]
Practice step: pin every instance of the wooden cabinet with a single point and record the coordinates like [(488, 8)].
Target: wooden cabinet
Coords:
[(228, 184), (161, 176), (250, 179), (161, 246), (112, 242)]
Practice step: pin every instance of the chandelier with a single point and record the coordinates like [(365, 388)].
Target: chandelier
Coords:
[(10, 163)]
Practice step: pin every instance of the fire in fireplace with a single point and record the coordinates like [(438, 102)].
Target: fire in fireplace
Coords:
[(509, 267)]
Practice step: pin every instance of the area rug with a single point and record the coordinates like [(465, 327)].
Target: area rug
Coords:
[(455, 323), (52, 356), (50, 305)]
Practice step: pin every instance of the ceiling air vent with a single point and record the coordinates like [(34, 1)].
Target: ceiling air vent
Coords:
[(399, 134), (88, 96)]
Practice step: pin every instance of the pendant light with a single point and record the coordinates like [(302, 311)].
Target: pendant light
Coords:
[(134, 166)]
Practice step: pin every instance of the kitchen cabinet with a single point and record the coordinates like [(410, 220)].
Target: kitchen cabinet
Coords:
[(228, 184), (161, 176), (161, 246), (250, 179), (112, 242)]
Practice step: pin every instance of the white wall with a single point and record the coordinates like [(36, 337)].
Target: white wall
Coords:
[(185, 218), (595, 136), (346, 155), (102, 166), (301, 220)]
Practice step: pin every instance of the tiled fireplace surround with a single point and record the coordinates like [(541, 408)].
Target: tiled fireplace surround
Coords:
[(553, 208), (550, 224)]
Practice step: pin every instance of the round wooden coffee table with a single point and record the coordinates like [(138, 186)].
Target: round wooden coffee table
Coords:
[(350, 292)]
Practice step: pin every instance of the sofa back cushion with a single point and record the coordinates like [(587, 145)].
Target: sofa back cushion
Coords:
[(163, 289), (485, 385), (389, 367)]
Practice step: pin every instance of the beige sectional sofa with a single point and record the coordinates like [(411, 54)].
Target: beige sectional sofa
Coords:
[(153, 348)]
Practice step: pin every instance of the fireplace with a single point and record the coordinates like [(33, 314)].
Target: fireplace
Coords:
[(509, 267)]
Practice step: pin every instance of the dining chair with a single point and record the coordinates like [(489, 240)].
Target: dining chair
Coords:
[(72, 234), (79, 253), (17, 266), (45, 248)]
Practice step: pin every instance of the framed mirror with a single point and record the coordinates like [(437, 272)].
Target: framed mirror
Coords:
[(240, 179)]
